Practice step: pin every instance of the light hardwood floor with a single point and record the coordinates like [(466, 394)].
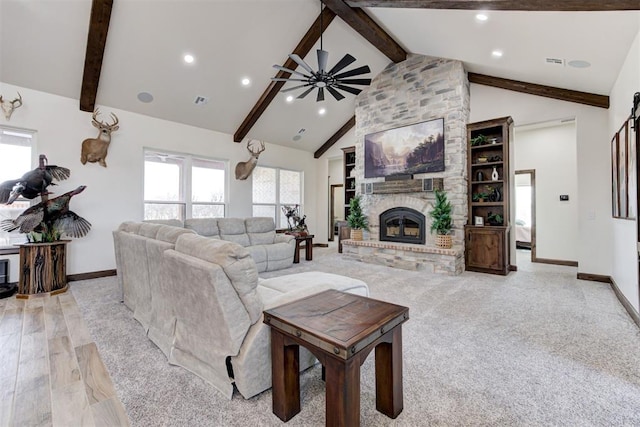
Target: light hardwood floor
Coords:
[(51, 373)]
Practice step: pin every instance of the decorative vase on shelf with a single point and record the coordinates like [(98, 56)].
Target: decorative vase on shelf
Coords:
[(479, 176), (494, 174)]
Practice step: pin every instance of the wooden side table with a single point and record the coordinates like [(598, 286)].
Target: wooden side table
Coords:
[(339, 329), (43, 268), (308, 248)]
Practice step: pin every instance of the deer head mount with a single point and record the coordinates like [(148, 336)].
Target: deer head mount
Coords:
[(95, 149), (9, 106), (244, 169)]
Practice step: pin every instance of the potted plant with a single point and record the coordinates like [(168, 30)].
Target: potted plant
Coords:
[(495, 219), (480, 197), (441, 220), (356, 220), (478, 140)]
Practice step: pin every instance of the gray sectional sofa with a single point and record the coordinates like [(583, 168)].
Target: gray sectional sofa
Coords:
[(200, 300), (270, 250)]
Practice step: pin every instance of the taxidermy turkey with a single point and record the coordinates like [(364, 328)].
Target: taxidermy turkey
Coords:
[(32, 183), (50, 215)]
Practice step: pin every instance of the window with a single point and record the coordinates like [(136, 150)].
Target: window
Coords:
[(16, 158), (179, 186), (273, 188)]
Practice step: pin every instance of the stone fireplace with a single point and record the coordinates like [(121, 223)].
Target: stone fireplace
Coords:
[(418, 89), (404, 225)]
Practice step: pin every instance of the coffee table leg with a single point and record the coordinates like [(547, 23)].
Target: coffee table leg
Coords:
[(342, 392), (389, 399), (285, 374)]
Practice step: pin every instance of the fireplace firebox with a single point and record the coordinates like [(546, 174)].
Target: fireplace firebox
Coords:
[(403, 225)]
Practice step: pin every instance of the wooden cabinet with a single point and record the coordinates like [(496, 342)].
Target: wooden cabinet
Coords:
[(487, 249), (489, 172), (349, 177)]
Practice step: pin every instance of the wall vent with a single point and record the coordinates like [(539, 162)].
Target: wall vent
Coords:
[(201, 100), (554, 61)]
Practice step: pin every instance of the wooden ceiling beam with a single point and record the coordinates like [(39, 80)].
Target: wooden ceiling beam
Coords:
[(96, 42), (585, 98), (303, 48), (335, 137), (367, 28), (538, 5)]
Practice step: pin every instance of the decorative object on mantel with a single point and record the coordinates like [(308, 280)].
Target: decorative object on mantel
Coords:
[(441, 220), (33, 183), (296, 225), (356, 220), (244, 169), (43, 258), (95, 149), (8, 107), (322, 78)]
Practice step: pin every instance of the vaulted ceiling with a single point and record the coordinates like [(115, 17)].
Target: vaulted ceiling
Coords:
[(43, 45)]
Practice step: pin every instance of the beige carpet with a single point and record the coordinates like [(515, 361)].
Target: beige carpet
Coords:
[(537, 347)]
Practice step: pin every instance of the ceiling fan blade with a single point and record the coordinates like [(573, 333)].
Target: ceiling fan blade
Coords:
[(356, 71), (352, 90), (320, 96), (306, 92), (364, 82), (294, 88), (300, 62), (280, 79), (346, 60), (337, 95), (287, 70), (323, 57)]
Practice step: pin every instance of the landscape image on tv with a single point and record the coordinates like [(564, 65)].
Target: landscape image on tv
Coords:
[(412, 149)]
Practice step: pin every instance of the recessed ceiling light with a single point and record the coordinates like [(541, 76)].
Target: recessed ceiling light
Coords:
[(246, 81), (289, 98), (145, 97), (189, 59), (496, 53), (578, 63), (322, 111), (481, 17)]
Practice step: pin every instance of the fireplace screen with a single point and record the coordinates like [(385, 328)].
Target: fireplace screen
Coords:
[(402, 225)]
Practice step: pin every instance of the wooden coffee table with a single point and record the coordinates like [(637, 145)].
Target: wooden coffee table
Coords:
[(340, 329)]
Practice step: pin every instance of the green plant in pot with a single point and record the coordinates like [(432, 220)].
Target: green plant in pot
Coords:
[(441, 222), (356, 220), (495, 219), (480, 197)]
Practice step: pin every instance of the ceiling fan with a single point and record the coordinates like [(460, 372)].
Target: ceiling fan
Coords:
[(331, 80)]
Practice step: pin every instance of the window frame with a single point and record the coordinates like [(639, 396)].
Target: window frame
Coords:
[(185, 196), (278, 205)]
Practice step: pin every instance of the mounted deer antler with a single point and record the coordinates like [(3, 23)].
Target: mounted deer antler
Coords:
[(95, 149), (244, 169), (9, 106)]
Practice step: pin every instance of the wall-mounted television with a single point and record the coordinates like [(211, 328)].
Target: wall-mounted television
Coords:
[(407, 150)]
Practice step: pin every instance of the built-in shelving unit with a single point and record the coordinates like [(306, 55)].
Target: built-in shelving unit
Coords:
[(349, 177), (487, 231)]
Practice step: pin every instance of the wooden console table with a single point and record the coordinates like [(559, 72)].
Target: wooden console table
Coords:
[(43, 268), (339, 329)]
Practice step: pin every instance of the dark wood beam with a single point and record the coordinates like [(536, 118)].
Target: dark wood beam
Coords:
[(367, 28), (538, 5), (96, 41), (335, 137), (303, 48), (585, 98)]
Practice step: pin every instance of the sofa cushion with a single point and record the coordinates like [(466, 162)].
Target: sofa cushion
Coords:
[(265, 238), (149, 230), (203, 226), (233, 230), (171, 222), (236, 262), (259, 224), (130, 227), (170, 234)]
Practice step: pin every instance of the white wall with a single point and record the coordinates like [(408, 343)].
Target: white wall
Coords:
[(551, 151), (593, 164), (624, 254), (115, 194)]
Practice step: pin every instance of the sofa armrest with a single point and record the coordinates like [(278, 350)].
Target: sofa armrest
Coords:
[(284, 238)]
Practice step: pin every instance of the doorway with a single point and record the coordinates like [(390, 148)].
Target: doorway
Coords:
[(336, 211), (525, 220)]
